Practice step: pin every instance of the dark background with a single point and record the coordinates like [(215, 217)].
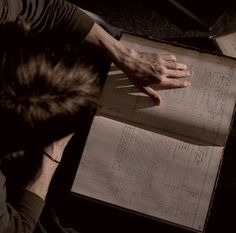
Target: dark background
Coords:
[(161, 19)]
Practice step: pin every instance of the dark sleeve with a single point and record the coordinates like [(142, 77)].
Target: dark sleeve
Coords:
[(23, 217), (46, 15)]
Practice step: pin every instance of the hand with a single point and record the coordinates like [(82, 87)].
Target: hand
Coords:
[(56, 149), (150, 71), (146, 70)]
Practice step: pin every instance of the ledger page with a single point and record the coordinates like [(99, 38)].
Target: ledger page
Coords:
[(202, 111), (149, 173)]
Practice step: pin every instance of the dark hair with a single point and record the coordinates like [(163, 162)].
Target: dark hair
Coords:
[(42, 97)]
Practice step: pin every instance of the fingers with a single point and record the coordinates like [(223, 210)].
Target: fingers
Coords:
[(175, 65), (62, 143), (150, 57), (170, 84), (173, 83), (169, 57), (153, 94), (160, 70), (177, 73), (166, 84), (167, 61), (55, 149), (67, 138), (156, 58), (168, 67)]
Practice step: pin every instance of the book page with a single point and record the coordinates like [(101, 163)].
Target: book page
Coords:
[(202, 111), (227, 44), (149, 173)]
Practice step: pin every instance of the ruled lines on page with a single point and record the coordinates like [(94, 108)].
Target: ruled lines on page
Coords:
[(202, 111), (148, 173)]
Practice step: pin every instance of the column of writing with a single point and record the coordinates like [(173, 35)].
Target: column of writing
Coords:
[(160, 175), (204, 106), (199, 109)]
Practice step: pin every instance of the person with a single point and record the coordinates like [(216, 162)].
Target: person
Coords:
[(40, 93), (147, 71)]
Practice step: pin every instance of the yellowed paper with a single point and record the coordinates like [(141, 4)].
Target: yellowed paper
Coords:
[(202, 111), (148, 173)]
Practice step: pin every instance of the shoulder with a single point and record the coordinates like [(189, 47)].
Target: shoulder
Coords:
[(47, 15), (9, 9), (31, 10)]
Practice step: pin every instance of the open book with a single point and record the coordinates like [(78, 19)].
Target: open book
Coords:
[(160, 161)]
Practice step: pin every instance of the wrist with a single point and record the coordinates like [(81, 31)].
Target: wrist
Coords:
[(40, 184), (109, 46), (50, 157)]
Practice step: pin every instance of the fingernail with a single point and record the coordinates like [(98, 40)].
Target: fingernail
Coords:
[(186, 84), (191, 72), (157, 101)]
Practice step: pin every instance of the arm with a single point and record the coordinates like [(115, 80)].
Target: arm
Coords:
[(23, 216), (144, 70), (41, 184)]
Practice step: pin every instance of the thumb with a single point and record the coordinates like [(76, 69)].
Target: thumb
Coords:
[(68, 137), (57, 147)]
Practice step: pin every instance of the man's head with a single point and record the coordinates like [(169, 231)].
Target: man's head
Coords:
[(41, 97)]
